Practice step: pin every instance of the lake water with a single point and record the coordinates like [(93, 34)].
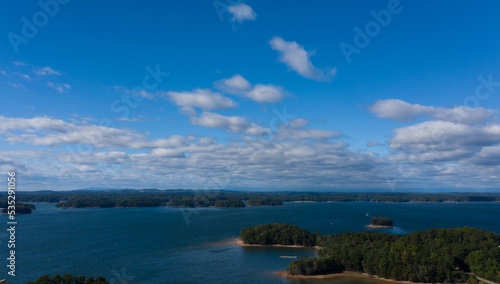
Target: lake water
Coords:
[(171, 245)]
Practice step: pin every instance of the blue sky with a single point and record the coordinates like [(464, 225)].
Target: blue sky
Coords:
[(253, 95)]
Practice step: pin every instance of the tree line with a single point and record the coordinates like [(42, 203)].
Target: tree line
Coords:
[(69, 279), (187, 198), (263, 201)]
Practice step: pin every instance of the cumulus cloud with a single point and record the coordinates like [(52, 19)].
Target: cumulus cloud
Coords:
[(255, 163), (464, 141), (231, 124), (241, 12), (458, 156), (42, 71), (204, 99), (488, 156), (46, 131), (298, 59), (298, 122), (238, 85), (402, 111), (234, 85), (451, 147), (445, 134)]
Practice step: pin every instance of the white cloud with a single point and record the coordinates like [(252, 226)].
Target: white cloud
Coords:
[(238, 85), (298, 122), (138, 94), (16, 85), (241, 12), (25, 76), (235, 84), (204, 99), (298, 59), (19, 63), (60, 88), (443, 135), (425, 155), (231, 124), (42, 71), (402, 111)]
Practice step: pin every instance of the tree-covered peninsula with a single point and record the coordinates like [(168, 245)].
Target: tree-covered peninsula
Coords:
[(20, 208), (431, 256)]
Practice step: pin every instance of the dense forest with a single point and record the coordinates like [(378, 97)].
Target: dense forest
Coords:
[(229, 203), (431, 256), (381, 221), (21, 208), (278, 234), (69, 279), (192, 198), (261, 201)]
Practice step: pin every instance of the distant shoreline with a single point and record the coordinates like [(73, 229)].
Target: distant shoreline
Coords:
[(345, 275), (239, 242)]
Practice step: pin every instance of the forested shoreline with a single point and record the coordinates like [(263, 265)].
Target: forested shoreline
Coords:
[(430, 256), (228, 199)]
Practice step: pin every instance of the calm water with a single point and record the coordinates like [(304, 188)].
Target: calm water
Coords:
[(170, 245)]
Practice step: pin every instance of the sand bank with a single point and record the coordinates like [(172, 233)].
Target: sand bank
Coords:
[(239, 241)]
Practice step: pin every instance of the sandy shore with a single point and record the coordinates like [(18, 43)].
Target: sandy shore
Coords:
[(345, 275), (239, 241), (379, 227)]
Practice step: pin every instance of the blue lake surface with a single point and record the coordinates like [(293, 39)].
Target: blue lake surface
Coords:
[(172, 245)]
